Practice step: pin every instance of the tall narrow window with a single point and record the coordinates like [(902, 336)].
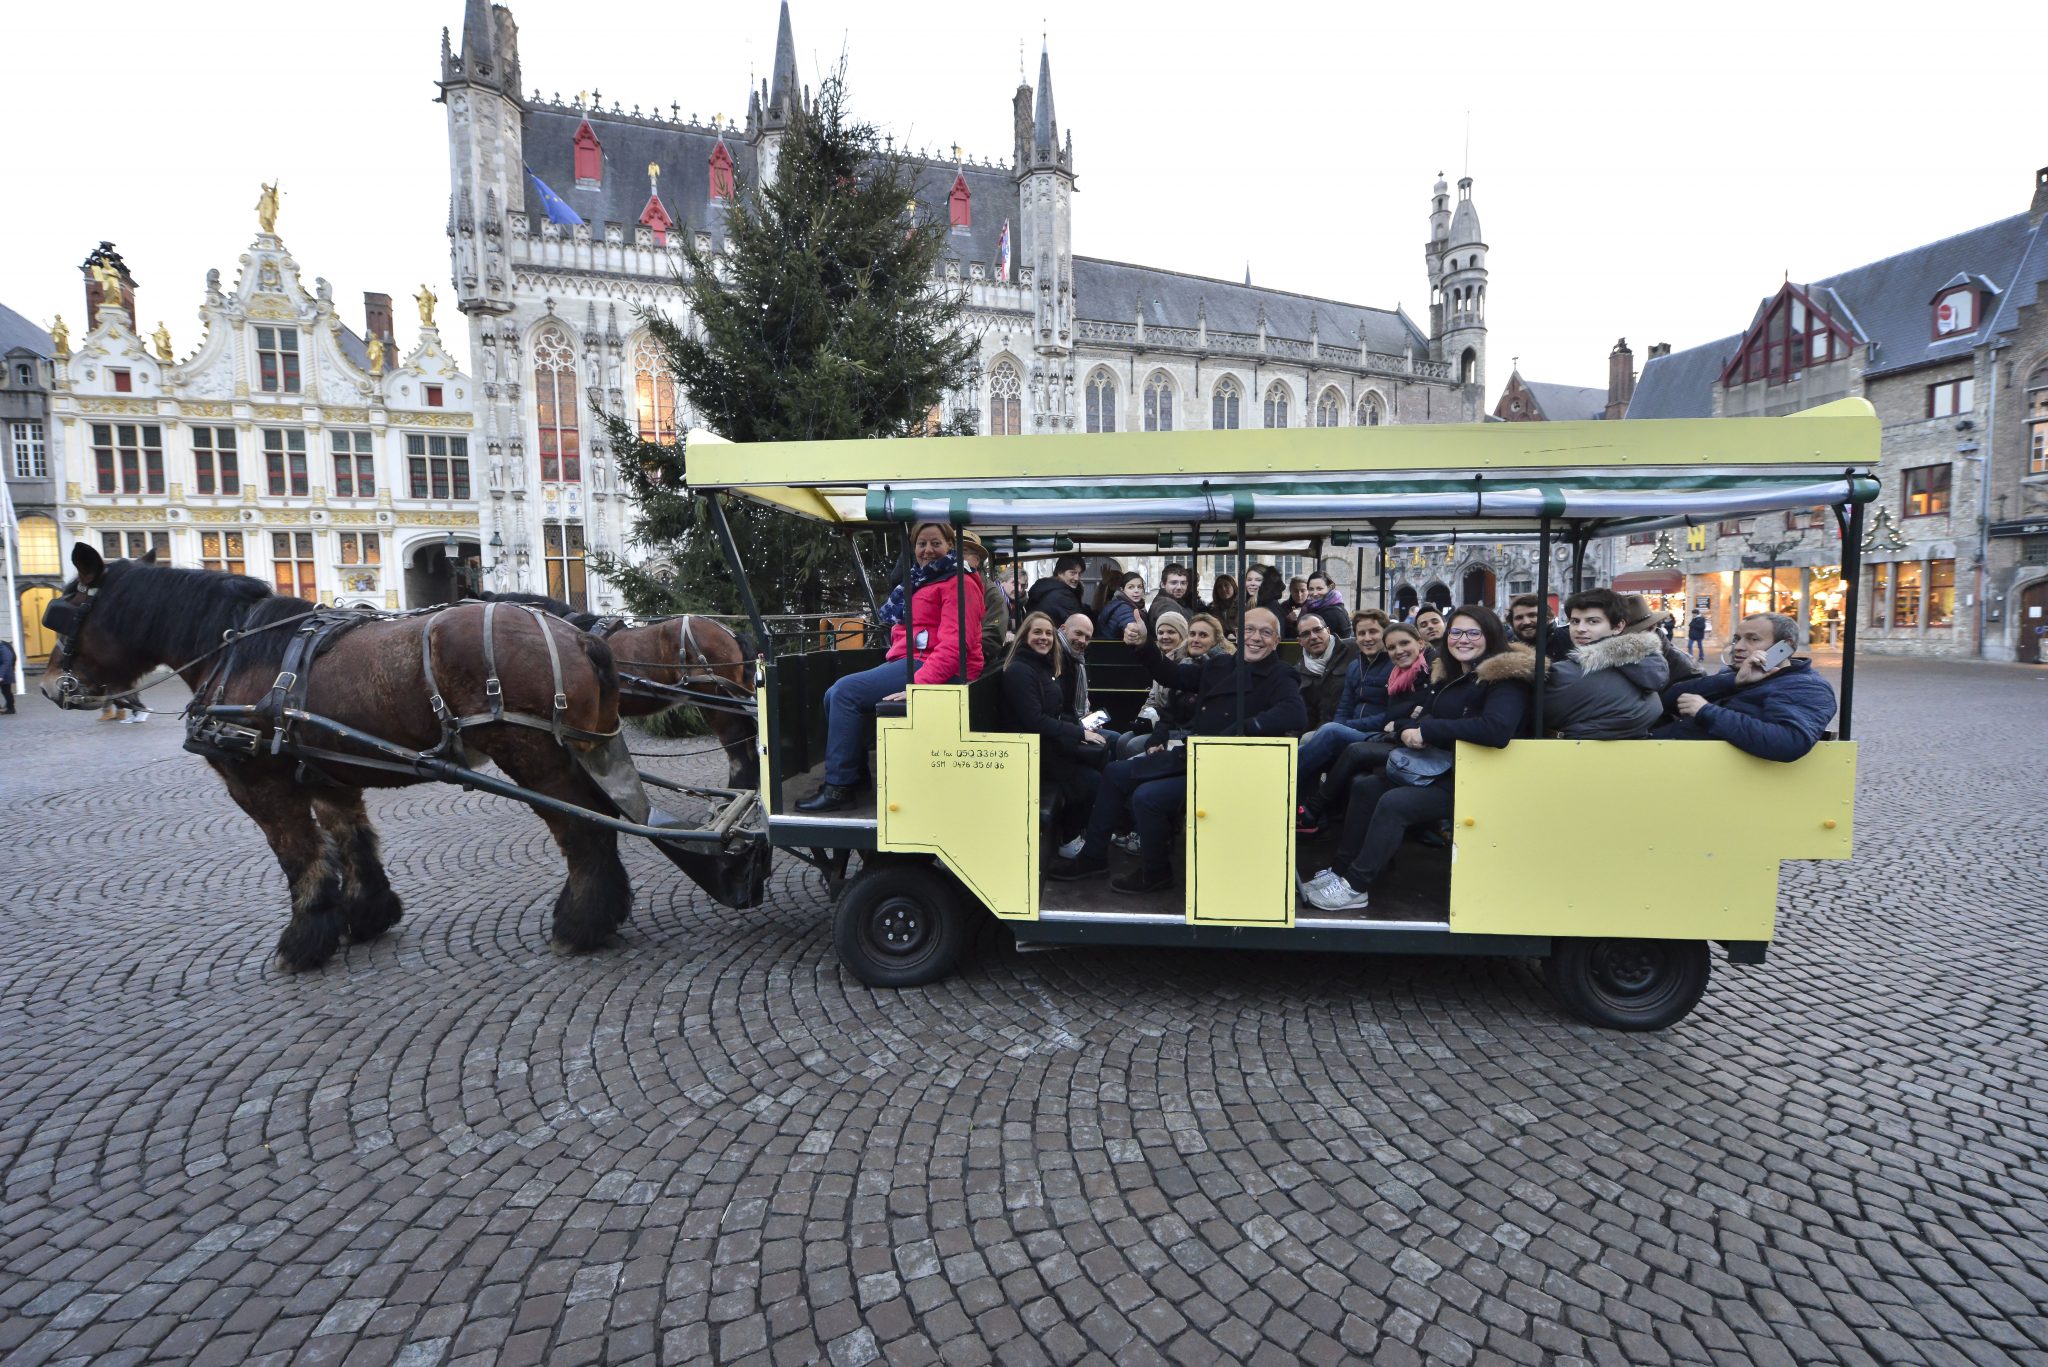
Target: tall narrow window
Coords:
[(284, 462), (554, 396), (654, 394), (1880, 585), (1370, 411), (38, 547), (1159, 403), (291, 561), (960, 203), (1226, 403), (31, 460), (355, 468), (1941, 593), (128, 458), (215, 469), (2037, 422), (1101, 402), (1468, 367), (1330, 409), (1005, 401), (589, 158), (1276, 405), (221, 551), (564, 555), (437, 465), (277, 360)]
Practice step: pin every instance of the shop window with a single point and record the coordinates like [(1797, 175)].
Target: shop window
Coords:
[(1906, 598), (1941, 593), (1878, 584), (1927, 489)]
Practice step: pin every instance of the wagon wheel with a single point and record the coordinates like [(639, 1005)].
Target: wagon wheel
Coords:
[(900, 925), (1628, 984)]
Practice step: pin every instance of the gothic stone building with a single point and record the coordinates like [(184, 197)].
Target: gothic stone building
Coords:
[(284, 446), (567, 217), (1949, 342)]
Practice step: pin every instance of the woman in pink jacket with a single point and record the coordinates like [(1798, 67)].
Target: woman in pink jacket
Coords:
[(924, 614)]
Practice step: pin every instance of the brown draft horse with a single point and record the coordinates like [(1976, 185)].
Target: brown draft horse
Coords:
[(710, 660), (118, 621)]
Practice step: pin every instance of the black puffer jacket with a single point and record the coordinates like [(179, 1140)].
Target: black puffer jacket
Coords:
[(1034, 703), (1054, 597), (1272, 693), (1487, 706)]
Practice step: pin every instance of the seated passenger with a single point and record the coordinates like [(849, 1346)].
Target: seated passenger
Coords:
[(1171, 631), (1154, 785), (1170, 708), (995, 615), (1176, 594), (1058, 595), (923, 615), (1327, 792), (1765, 703), (1657, 622), (1608, 688), (1122, 607), (1076, 633), (1326, 601), (1481, 696), (1033, 703), (1429, 620), (1365, 695), (1324, 669)]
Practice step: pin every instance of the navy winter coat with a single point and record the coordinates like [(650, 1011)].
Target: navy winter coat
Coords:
[(1486, 706), (1778, 717), (1054, 597), (1365, 691), (1272, 695), (1117, 615)]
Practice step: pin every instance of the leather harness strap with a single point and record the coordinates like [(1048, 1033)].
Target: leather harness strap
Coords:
[(453, 726)]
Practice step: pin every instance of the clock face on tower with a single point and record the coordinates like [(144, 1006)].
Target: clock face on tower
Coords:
[(1955, 313)]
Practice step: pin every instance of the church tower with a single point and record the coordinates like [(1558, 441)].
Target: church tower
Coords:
[(1045, 199), (770, 108), (480, 87), (1457, 281)]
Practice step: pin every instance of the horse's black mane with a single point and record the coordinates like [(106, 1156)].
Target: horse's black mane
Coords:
[(553, 607), (183, 613)]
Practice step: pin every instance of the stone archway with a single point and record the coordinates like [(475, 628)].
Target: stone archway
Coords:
[(1480, 586), (1439, 593), (1405, 599)]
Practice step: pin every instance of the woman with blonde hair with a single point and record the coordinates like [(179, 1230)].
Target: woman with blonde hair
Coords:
[(1034, 704)]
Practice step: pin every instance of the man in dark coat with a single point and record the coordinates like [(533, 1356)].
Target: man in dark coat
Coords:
[(1058, 595), (1325, 666), (1176, 594), (1154, 785), (1696, 636), (7, 670), (1765, 704)]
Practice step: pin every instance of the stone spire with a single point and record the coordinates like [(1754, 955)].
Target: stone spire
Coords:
[(783, 89), (1045, 127)]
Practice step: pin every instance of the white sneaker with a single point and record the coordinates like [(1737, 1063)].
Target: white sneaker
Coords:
[(1335, 895), (1128, 843), (139, 718), (1319, 876), (1072, 849)]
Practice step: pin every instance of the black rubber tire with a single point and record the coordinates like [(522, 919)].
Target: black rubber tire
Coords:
[(1628, 984), (900, 925)]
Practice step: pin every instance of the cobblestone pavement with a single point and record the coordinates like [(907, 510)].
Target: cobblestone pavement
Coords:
[(709, 1144)]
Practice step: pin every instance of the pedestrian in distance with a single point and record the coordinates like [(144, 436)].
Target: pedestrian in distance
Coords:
[(7, 675), (1696, 635)]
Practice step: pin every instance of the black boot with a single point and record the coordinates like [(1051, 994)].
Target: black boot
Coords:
[(833, 797)]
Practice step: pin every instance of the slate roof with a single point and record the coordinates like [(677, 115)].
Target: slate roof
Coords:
[(1886, 303), (1567, 402), (17, 331), (1111, 291)]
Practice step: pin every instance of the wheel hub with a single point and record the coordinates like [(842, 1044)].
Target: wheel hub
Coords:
[(1629, 967), (899, 926)]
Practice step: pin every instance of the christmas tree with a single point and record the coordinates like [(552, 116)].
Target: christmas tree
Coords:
[(826, 317)]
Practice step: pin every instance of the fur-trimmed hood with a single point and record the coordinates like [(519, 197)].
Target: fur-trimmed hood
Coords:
[(1517, 662), (1614, 652)]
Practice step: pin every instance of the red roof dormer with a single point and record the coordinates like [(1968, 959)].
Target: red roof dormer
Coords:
[(655, 215), (721, 172), (589, 157), (960, 203)]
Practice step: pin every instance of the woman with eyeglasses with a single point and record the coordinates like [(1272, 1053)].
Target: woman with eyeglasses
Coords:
[(1479, 696)]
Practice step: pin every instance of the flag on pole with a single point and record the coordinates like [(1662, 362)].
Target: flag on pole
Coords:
[(1003, 253), (558, 209)]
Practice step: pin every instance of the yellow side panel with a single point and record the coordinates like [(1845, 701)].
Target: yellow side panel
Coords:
[(762, 715), (1674, 840), (971, 798), (1240, 831)]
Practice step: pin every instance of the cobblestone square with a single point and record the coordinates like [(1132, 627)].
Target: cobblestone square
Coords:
[(708, 1144)]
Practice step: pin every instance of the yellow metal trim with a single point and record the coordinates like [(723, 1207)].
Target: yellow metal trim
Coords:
[(1647, 839), (763, 715), (968, 797), (797, 498), (1240, 840), (1839, 434)]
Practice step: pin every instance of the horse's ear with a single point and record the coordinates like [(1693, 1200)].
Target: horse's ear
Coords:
[(87, 562), (148, 557)]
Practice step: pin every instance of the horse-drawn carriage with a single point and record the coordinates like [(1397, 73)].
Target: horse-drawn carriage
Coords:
[(301, 710)]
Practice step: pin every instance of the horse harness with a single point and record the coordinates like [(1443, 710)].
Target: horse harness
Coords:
[(270, 720), (713, 691)]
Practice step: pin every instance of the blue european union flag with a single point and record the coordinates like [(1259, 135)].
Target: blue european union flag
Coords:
[(557, 207)]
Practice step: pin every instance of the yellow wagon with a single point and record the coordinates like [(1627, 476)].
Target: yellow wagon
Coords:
[(1692, 834)]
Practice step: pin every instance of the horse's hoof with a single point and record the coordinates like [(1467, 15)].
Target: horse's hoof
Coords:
[(285, 965), (562, 949)]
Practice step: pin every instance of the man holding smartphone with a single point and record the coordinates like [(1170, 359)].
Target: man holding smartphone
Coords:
[(1765, 703)]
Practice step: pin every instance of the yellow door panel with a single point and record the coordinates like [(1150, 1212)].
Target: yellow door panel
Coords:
[(969, 797), (1240, 851), (763, 715), (1649, 839)]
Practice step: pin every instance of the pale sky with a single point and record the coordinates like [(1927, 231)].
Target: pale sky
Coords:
[(1647, 170)]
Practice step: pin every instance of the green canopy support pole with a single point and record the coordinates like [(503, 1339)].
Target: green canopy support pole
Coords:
[(1385, 537), (960, 603), (905, 564), (1241, 534), (731, 550), (1852, 608), (1543, 626), (867, 585), (1578, 534)]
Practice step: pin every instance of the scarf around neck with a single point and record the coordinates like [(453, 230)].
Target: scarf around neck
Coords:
[(1403, 681), (896, 612), (1316, 664)]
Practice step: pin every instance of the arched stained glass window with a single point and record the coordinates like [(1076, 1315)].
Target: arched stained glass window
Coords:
[(1225, 405), (554, 401), (654, 393), (1371, 411), (1276, 405), (1101, 402), (1005, 401), (1159, 402), (1330, 409)]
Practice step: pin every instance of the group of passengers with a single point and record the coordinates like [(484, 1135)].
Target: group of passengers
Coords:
[(1379, 705)]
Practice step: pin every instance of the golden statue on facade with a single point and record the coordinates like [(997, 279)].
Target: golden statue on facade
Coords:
[(376, 355), (60, 336), (109, 281), (162, 338), (266, 207), (426, 300)]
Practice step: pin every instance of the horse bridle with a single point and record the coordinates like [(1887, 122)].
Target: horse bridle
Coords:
[(67, 620)]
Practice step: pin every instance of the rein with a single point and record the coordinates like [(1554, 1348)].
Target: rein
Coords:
[(71, 694)]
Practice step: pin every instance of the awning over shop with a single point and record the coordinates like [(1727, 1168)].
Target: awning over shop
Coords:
[(1650, 581)]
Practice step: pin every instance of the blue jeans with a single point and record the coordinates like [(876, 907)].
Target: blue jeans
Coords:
[(849, 703), (1154, 788), (1319, 750), (1697, 649)]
